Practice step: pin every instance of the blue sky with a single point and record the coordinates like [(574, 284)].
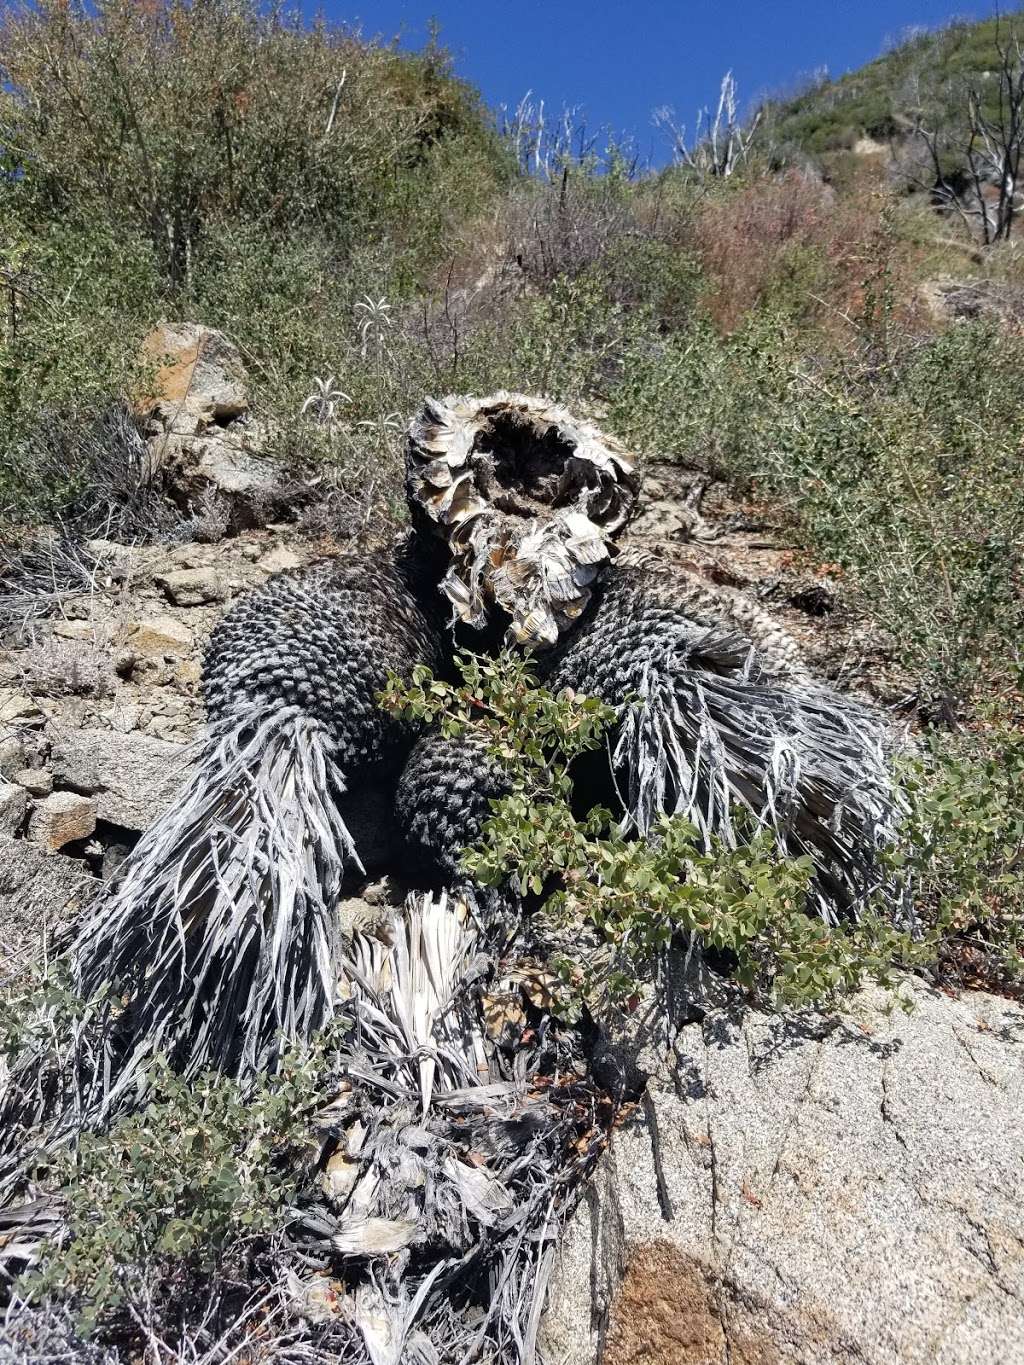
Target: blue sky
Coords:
[(621, 60)]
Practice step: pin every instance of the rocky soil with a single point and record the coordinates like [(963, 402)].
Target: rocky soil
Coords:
[(801, 1190), (98, 708)]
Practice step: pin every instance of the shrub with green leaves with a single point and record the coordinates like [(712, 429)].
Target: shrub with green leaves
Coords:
[(966, 831), (170, 117), (222, 163), (635, 897), (902, 469), (205, 1167)]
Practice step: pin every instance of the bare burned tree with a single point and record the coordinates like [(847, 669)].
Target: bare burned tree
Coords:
[(720, 144), (545, 145), (986, 191)]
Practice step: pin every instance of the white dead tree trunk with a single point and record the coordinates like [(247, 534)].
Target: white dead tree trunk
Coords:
[(720, 144), (545, 147), (987, 194)]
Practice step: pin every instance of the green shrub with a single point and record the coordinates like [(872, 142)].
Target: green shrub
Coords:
[(903, 471), (225, 164), (926, 73), (204, 1170), (967, 832), (635, 897), (167, 118), (623, 901), (910, 484)]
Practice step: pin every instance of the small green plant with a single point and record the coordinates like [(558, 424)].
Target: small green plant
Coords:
[(205, 1168), (966, 830), (635, 897), (36, 1006)]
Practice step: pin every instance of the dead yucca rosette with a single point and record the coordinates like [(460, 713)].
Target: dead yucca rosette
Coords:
[(530, 501)]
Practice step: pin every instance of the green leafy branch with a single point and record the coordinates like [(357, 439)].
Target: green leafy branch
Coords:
[(635, 897)]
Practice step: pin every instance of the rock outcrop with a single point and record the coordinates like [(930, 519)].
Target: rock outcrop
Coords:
[(201, 434), (97, 723), (810, 1190), (197, 375), (131, 778)]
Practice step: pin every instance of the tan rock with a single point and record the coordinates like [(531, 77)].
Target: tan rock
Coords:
[(966, 300), (124, 662), (123, 717), (232, 467), (61, 819), (279, 559), (192, 587), (132, 777), (75, 630), (36, 781), (165, 728), (189, 674), (16, 709), (159, 637), (12, 755), (196, 372), (822, 1189)]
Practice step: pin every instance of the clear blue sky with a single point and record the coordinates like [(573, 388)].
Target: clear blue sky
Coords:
[(620, 60)]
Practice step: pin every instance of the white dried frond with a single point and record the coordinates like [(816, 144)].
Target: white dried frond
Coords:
[(443, 1149), (218, 946), (406, 987), (223, 923), (808, 765)]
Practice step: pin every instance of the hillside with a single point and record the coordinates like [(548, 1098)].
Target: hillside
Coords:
[(927, 75), (654, 1002)]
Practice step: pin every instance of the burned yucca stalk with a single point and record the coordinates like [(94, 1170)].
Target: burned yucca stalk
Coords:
[(529, 501), (716, 709), (222, 928), (451, 1158)]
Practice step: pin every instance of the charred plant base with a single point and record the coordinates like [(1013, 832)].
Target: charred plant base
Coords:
[(449, 1158)]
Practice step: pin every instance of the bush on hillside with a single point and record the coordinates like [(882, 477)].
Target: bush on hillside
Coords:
[(169, 118), (925, 75), (891, 454), (218, 162)]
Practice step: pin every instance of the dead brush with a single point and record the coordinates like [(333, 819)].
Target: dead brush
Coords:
[(39, 576), (109, 485), (564, 227), (32, 1335), (52, 667), (109, 491)]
